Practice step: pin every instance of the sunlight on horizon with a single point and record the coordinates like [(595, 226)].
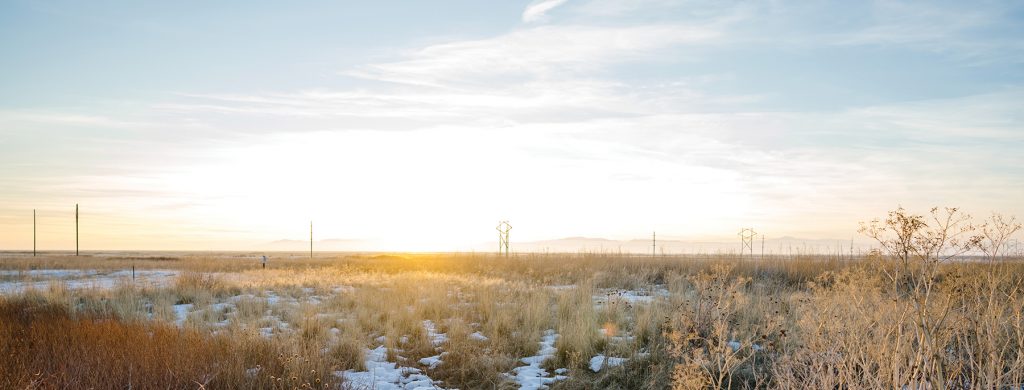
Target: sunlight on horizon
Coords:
[(581, 118)]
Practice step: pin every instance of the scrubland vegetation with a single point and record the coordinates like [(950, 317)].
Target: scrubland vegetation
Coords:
[(937, 306)]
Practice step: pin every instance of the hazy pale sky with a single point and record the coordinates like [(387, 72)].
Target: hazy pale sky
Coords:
[(418, 125)]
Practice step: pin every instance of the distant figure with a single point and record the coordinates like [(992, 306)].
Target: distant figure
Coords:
[(264, 261)]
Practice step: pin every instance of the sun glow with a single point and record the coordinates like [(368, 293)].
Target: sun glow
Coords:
[(437, 189)]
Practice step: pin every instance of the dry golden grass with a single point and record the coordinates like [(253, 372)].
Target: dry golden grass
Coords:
[(800, 322), (46, 347)]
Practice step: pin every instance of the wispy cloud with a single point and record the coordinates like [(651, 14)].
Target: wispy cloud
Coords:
[(539, 8), (964, 31), (537, 74), (66, 118), (534, 52), (627, 117)]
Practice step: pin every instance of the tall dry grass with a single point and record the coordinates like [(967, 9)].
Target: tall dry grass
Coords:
[(718, 321), (46, 347)]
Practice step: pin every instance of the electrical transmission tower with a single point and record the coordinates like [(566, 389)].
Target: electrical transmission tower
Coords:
[(1013, 248), (503, 228), (747, 241)]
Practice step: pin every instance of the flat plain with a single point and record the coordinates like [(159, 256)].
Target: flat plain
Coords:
[(481, 321)]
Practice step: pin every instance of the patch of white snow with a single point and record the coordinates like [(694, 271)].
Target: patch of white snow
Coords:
[(532, 376), (600, 361), (383, 375)]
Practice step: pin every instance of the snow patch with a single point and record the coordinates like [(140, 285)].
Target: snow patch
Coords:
[(532, 376), (632, 297), (433, 361), (48, 273), (82, 279), (267, 332), (181, 313), (736, 345), (562, 287), (601, 361), (383, 375), (436, 339)]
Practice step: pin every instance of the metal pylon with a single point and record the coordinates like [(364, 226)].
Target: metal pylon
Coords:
[(747, 240), (503, 228)]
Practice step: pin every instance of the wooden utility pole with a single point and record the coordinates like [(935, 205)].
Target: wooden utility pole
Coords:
[(33, 232), (310, 239), (654, 244), (76, 229), (851, 247)]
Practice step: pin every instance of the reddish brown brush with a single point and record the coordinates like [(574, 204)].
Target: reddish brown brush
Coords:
[(44, 347)]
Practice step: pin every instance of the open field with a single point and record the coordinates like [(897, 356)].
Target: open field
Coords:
[(587, 321), (512, 195)]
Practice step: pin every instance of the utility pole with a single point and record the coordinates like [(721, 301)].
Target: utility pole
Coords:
[(76, 229), (654, 244), (851, 247), (33, 232), (310, 239)]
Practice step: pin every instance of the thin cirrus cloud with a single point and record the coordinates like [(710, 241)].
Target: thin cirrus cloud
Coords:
[(539, 8), (533, 52), (609, 119)]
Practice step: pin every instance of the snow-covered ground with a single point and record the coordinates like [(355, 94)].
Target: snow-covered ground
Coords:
[(600, 361), (436, 339), (605, 296), (381, 374), (13, 282), (181, 313), (281, 304), (532, 376), (46, 273), (736, 345)]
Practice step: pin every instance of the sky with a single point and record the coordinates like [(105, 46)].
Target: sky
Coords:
[(419, 125)]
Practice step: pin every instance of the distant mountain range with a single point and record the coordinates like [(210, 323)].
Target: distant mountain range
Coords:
[(782, 245), (333, 244)]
